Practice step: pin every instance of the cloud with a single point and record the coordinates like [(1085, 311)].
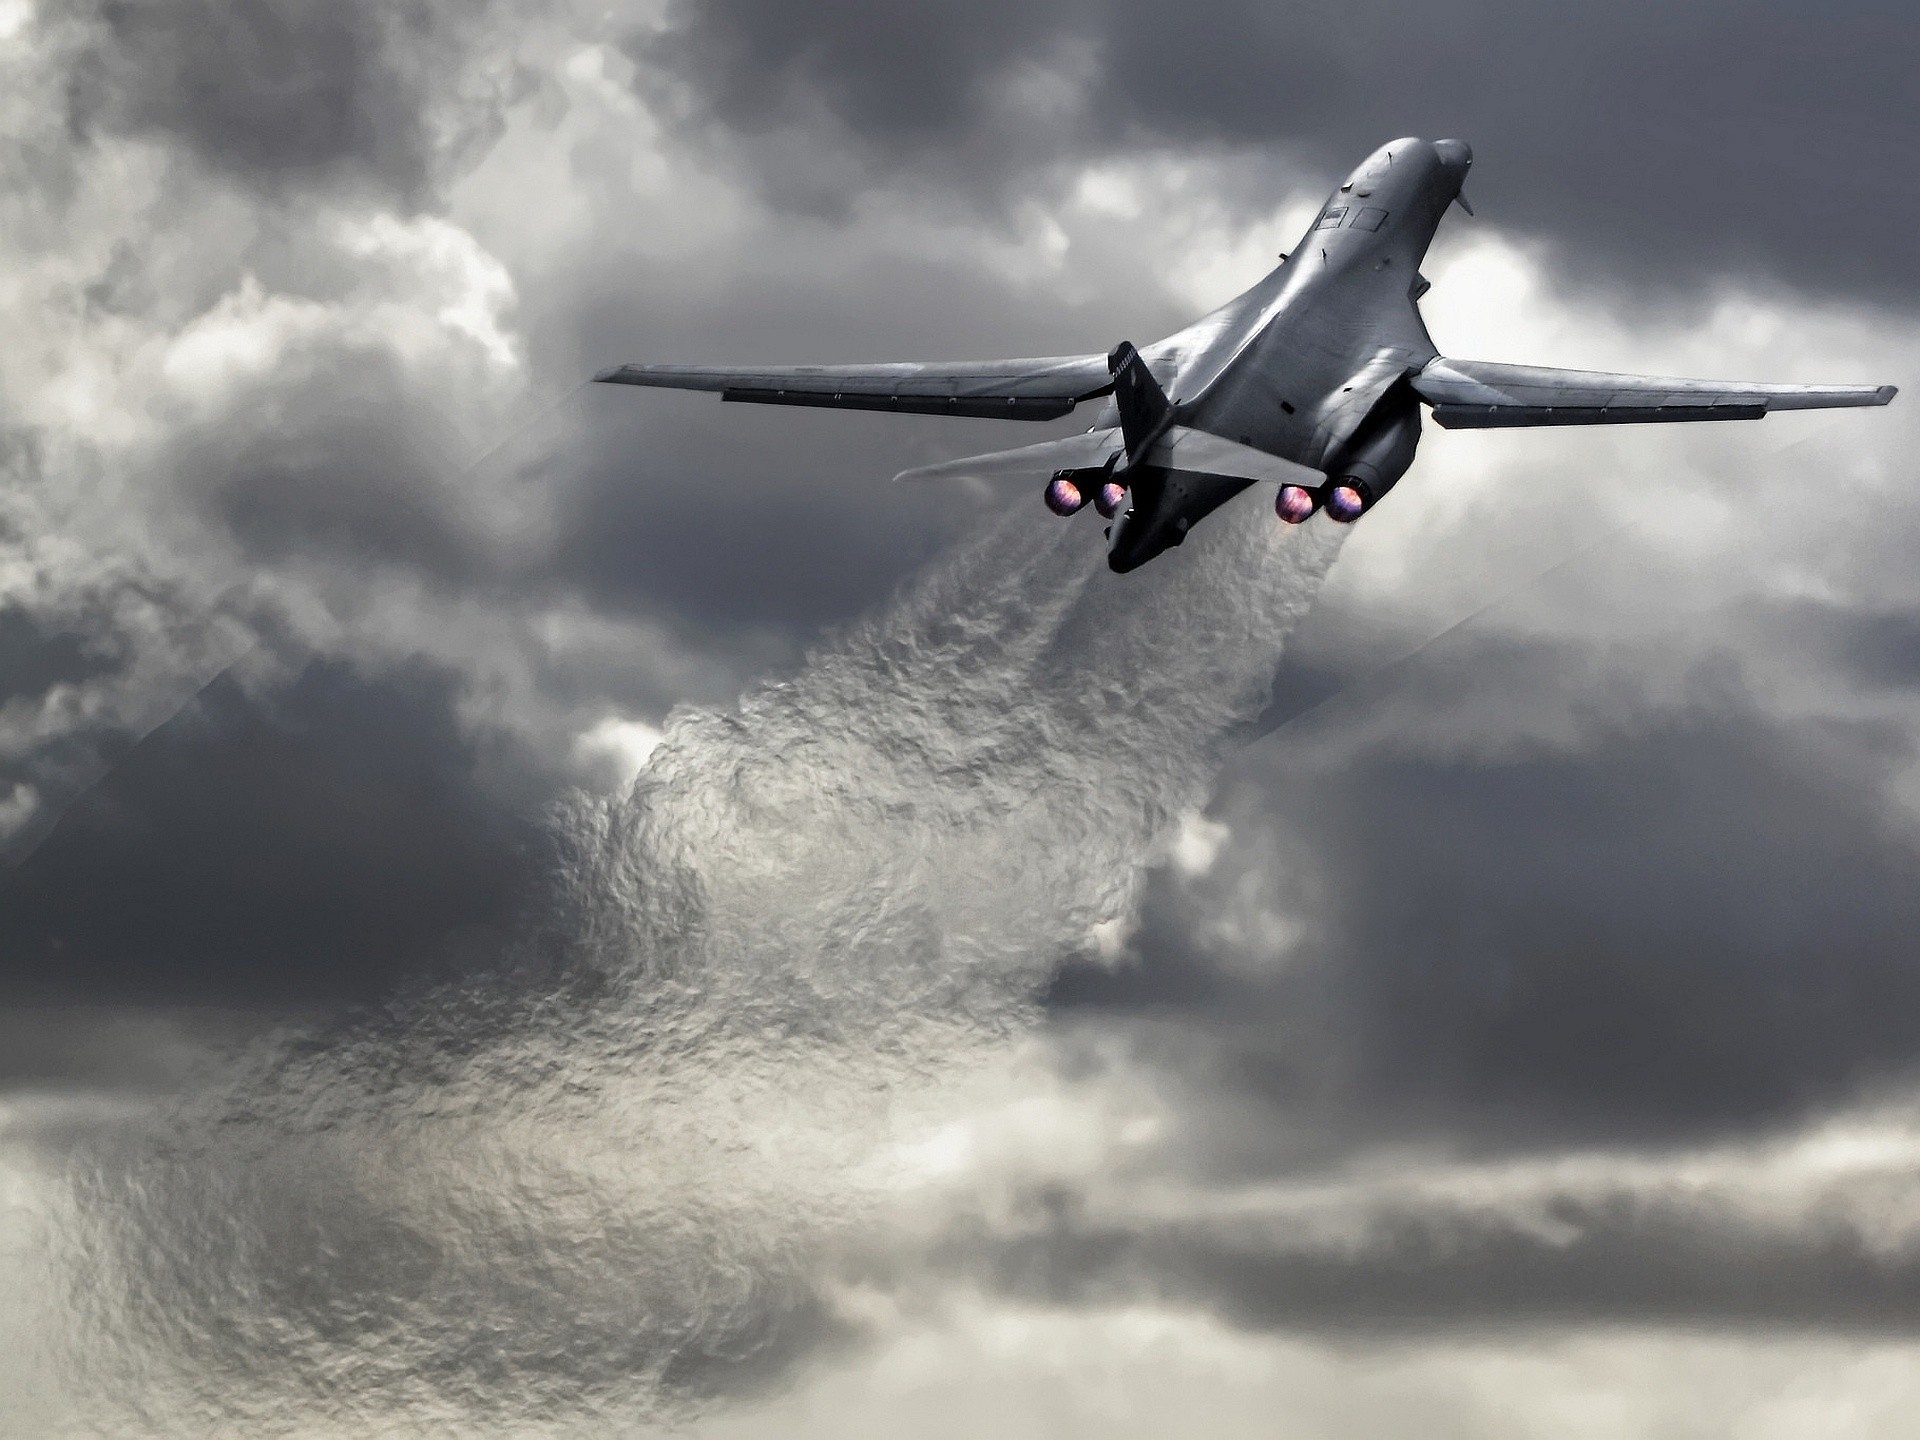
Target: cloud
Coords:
[(1611, 931), (619, 745), (1665, 145), (1534, 983), (282, 95), (307, 845), (1810, 1233), (1126, 1371)]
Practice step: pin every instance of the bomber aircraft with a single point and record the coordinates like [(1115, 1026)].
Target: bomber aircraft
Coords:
[(1312, 379)]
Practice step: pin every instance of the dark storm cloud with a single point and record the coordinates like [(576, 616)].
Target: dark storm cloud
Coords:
[(1702, 923), (1873, 650), (1699, 918), (310, 846), (1573, 1255), (118, 1048), (832, 99), (720, 526), (285, 94), (78, 663), (903, 76), (33, 659), (1674, 142), (333, 456)]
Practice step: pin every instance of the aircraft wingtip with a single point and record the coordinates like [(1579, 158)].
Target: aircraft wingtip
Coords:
[(608, 375), (1884, 395)]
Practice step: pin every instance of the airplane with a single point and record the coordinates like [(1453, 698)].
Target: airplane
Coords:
[(1312, 380)]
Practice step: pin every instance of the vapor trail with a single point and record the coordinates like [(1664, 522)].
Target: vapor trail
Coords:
[(609, 1183)]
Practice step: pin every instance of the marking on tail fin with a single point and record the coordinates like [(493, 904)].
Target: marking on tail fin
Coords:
[(1145, 412)]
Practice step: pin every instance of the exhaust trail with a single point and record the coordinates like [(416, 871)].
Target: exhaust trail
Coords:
[(610, 1184)]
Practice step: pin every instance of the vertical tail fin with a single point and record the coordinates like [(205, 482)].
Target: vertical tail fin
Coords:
[(1145, 411)]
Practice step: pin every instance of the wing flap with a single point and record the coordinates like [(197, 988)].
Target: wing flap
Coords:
[(1041, 389), (1479, 394)]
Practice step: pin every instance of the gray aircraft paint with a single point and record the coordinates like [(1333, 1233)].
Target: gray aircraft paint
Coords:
[(1312, 378)]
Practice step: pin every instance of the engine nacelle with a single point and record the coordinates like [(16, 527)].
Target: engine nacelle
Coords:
[(1348, 499), (1070, 491), (1063, 494), (1371, 463), (1295, 504)]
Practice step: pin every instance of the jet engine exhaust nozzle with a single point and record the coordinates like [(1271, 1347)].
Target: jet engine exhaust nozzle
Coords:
[(1295, 504), (1063, 497), (1109, 498), (1347, 500)]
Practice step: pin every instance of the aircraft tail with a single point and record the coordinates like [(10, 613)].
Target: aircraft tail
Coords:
[(1145, 412)]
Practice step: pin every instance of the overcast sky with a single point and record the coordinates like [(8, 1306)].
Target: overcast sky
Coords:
[(1456, 977)]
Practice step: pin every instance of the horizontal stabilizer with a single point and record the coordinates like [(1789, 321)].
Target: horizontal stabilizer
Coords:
[(1481, 395), (1204, 453), (1075, 452), (1195, 451)]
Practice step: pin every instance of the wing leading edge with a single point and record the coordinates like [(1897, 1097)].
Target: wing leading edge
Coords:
[(1043, 389), (1481, 395)]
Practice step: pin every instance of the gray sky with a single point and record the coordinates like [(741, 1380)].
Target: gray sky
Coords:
[(1011, 999)]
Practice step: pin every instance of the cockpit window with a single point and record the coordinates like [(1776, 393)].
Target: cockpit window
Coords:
[(1371, 218), (1333, 216)]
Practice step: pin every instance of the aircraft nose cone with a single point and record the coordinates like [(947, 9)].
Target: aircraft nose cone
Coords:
[(1455, 154)]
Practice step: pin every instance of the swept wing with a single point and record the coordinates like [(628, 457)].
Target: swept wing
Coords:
[(1042, 389), (1480, 395)]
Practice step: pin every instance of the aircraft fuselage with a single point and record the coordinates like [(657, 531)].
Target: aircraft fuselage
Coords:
[(1310, 363)]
